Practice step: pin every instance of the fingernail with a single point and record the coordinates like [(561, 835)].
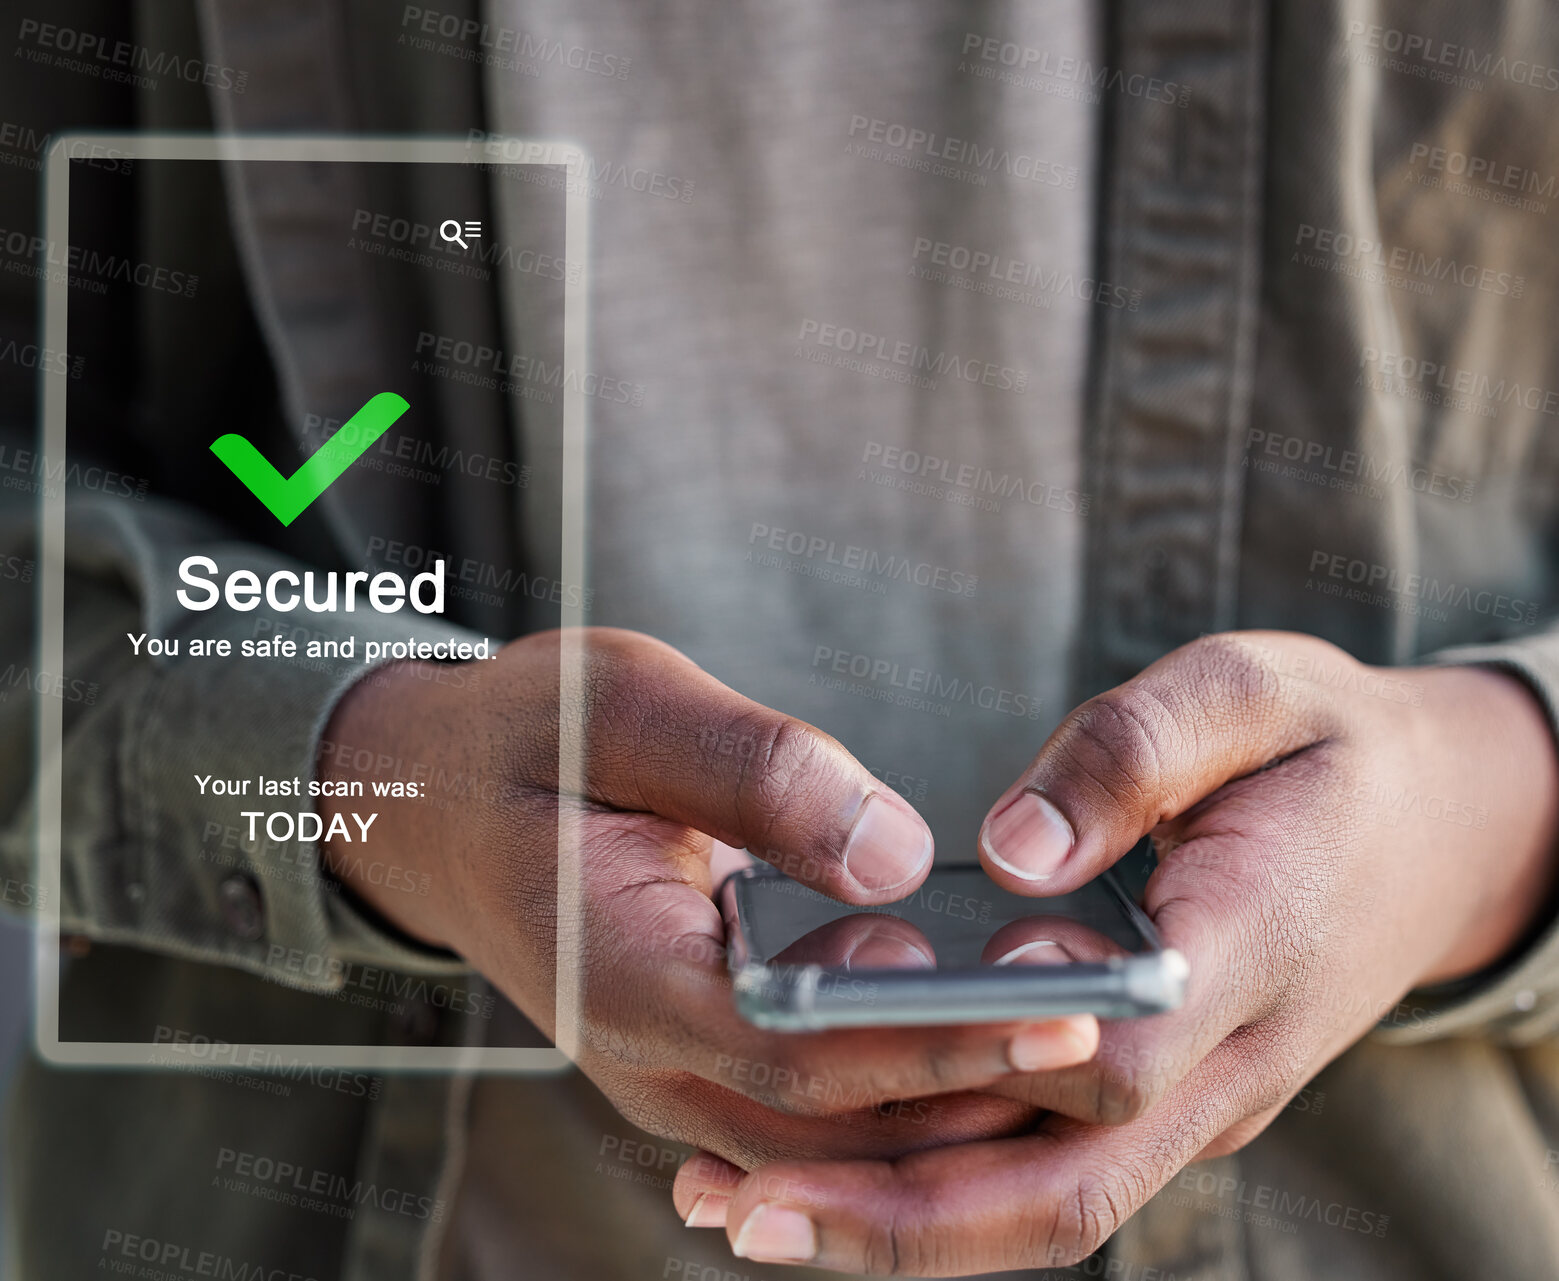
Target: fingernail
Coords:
[(887, 846), (1029, 839), (776, 1234), (881, 951), (1047, 1046), (1039, 952), (708, 1211)]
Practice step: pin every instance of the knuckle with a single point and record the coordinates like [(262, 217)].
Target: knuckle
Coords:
[(934, 1072), (610, 673), (910, 1242), (1124, 1096), (1293, 952), (705, 1168), (786, 1080), (777, 1081), (1276, 1060), (653, 1111), (937, 1072), (881, 1249), (1125, 736), (1129, 1079), (1247, 674), (1086, 1218), (776, 772)]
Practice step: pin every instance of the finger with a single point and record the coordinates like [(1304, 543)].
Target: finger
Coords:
[(1237, 1135), (658, 995), (753, 1136), (704, 1187), (1048, 940), (1141, 753), (743, 1133), (1044, 1200), (665, 737), (1140, 1060), (865, 941), (725, 860), (1225, 899)]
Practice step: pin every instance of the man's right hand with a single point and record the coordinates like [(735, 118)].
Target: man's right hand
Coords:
[(673, 761)]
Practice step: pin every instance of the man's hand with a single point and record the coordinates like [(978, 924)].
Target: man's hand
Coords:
[(1330, 837), (672, 760)]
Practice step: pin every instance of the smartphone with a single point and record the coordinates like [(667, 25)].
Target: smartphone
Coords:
[(960, 949)]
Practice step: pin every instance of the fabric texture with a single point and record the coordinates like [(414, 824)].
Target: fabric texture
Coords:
[(1277, 427)]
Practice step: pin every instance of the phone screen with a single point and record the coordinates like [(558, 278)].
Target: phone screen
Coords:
[(958, 919)]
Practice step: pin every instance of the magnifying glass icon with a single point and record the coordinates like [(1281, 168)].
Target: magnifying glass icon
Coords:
[(449, 229)]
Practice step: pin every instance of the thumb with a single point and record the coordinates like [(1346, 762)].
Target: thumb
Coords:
[(667, 738), (1144, 752)]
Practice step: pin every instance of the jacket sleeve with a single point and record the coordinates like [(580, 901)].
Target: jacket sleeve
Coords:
[(1518, 1003), (146, 859)]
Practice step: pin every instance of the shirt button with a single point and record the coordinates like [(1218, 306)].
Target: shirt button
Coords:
[(240, 899), (1526, 999)]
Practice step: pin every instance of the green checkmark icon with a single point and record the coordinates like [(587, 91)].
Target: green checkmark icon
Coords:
[(288, 497)]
